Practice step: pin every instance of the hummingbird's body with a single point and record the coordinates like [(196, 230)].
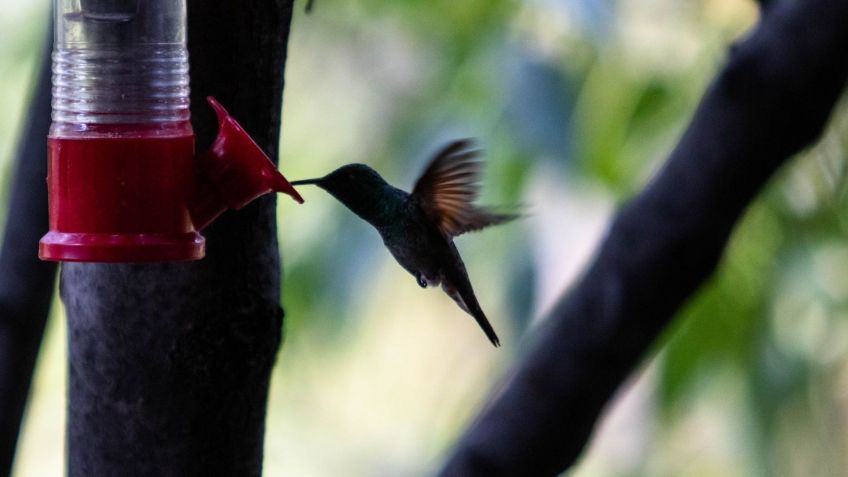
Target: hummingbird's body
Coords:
[(418, 228)]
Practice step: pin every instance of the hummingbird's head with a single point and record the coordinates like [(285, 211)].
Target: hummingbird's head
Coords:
[(357, 186)]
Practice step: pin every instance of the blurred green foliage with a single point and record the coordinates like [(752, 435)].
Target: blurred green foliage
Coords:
[(576, 103)]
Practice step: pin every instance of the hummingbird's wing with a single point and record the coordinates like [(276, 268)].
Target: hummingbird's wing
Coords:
[(447, 189)]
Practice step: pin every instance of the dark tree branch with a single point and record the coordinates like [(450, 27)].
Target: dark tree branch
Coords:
[(773, 98), (26, 283), (764, 4), (170, 363)]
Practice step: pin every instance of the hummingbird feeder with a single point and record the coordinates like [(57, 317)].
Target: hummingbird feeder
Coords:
[(124, 183)]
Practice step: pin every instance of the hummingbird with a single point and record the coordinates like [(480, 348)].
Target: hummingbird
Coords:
[(418, 228)]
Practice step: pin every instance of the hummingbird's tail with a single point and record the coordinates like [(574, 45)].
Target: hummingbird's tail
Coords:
[(459, 288)]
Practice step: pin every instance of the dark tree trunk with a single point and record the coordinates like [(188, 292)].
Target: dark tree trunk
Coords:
[(771, 100), (26, 283), (170, 363)]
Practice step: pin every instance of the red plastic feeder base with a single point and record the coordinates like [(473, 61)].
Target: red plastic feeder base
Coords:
[(80, 247)]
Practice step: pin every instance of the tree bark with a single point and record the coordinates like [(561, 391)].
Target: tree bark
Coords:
[(26, 283), (170, 363), (771, 99)]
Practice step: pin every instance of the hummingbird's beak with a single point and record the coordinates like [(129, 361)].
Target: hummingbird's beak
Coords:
[(307, 182)]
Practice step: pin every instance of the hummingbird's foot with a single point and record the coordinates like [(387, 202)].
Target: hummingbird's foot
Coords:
[(422, 282)]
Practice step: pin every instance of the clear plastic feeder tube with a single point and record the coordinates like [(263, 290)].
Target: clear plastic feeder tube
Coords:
[(119, 62), (121, 147), (124, 183)]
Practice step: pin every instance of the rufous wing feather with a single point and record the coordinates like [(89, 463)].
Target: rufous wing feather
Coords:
[(448, 188)]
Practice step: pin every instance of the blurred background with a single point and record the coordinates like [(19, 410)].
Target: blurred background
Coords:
[(576, 103)]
